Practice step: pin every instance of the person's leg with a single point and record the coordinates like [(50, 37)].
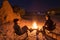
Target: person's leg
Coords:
[(44, 33)]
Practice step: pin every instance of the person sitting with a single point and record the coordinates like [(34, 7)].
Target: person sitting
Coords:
[(16, 27), (49, 24)]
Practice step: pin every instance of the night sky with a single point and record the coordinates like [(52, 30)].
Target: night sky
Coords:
[(32, 5)]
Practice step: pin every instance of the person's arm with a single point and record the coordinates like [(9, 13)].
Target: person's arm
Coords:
[(45, 23)]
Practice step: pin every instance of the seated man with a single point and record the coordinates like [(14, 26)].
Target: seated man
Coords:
[(16, 27), (49, 24), (18, 30)]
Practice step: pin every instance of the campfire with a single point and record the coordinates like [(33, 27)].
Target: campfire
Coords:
[(34, 25)]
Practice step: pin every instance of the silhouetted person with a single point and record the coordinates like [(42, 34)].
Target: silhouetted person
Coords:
[(49, 24), (20, 31), (16, 27)]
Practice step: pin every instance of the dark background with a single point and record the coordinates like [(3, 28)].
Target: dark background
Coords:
[(35, 5)]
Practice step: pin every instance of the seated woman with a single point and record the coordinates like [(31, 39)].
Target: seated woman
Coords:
[(49, 24)]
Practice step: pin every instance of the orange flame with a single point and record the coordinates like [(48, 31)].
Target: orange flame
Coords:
[(34, 25)]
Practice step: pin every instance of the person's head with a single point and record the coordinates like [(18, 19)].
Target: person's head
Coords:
[(15, 21), (47, 17)]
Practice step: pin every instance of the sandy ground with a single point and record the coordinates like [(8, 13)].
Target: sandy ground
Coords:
[(7, 31)]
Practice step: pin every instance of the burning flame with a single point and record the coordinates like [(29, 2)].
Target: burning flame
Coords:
[(34, 25)]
